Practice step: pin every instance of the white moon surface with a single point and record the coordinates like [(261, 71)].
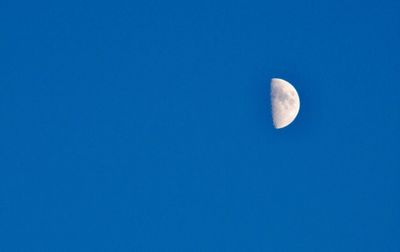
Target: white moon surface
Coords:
[(285, 103)]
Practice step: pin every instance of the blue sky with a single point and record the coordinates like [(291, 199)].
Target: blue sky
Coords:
[(146, 126)]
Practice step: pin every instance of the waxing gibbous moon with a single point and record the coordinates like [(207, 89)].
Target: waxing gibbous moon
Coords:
[(285, 103)]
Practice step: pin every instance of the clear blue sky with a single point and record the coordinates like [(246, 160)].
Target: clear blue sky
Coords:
[(146, 126)]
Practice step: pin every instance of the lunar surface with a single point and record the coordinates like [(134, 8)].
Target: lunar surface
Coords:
[(285, 103)]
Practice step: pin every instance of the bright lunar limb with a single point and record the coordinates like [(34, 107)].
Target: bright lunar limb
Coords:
[(285, 103)]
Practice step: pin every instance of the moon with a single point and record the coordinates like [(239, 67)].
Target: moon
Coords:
[(285, 103)]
